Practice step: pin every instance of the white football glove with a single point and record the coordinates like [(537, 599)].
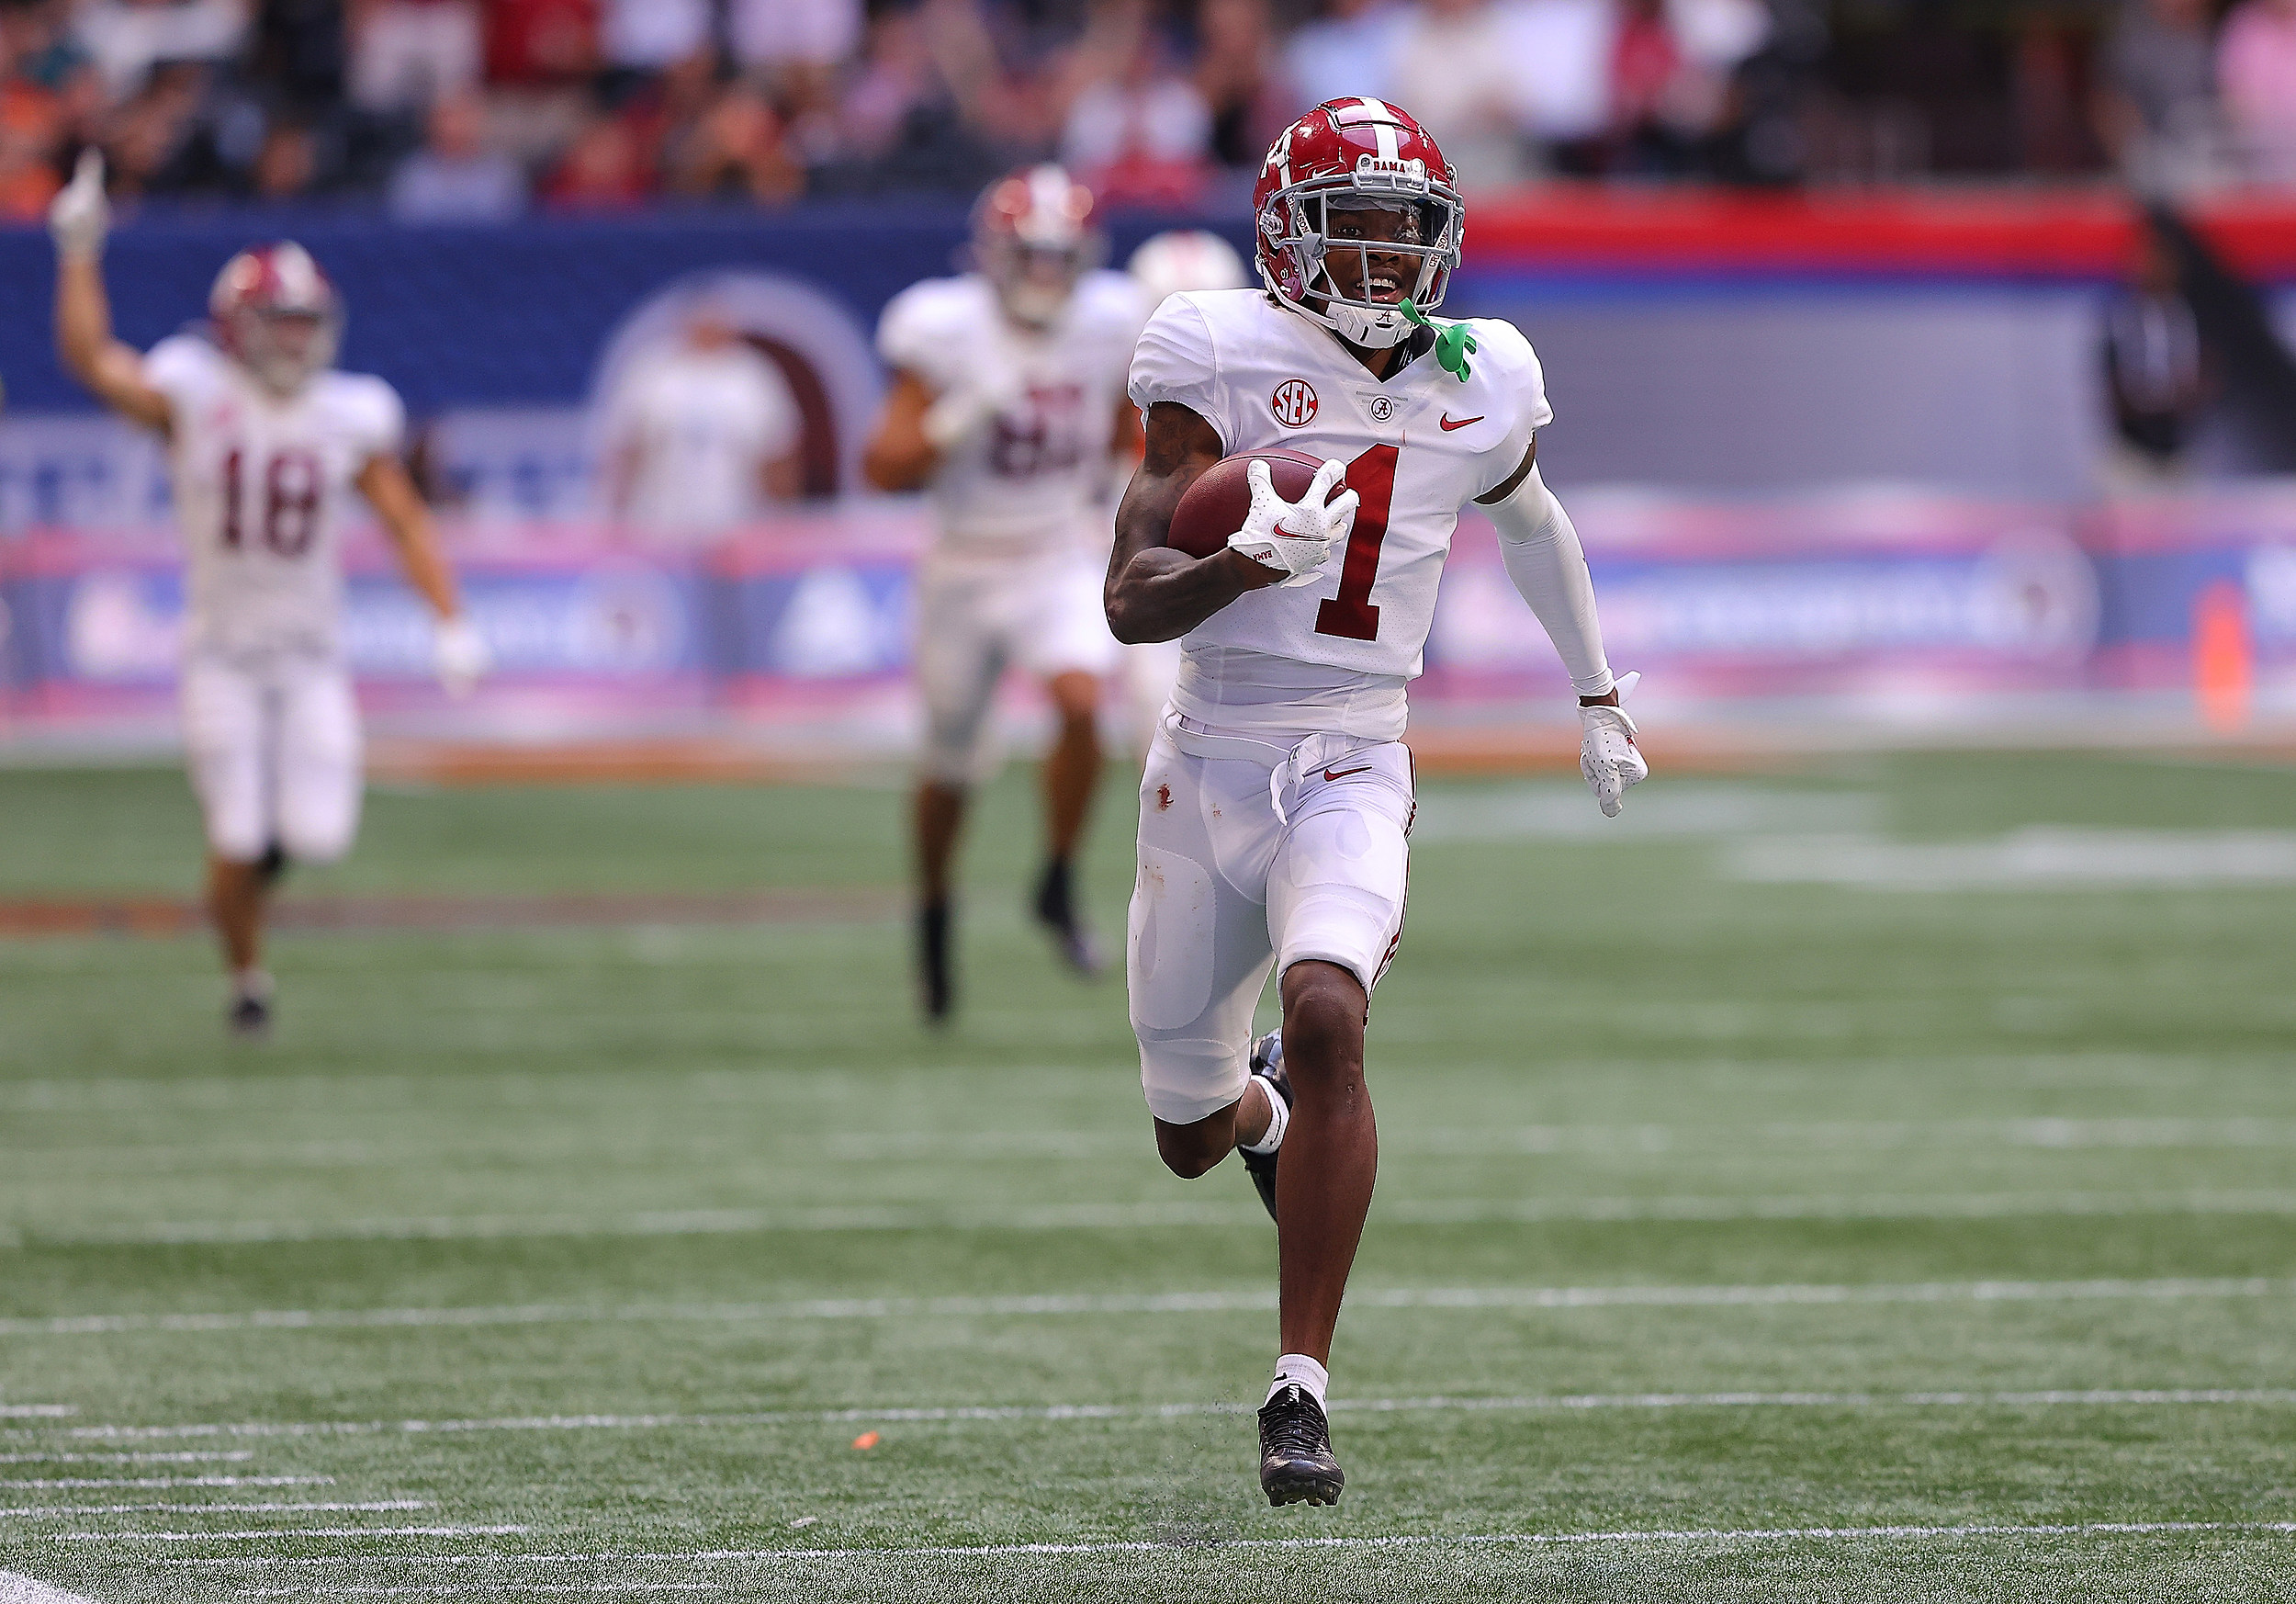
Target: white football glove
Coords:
[(1607, 754), (1296, 538), (80, 217), (964, 411), (459, 655)]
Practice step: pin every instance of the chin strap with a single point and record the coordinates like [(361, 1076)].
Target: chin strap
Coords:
[(1454, 342)]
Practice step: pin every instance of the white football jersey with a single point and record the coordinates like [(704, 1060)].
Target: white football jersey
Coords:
[(1419, 446), (1033, 479), (260, 482)]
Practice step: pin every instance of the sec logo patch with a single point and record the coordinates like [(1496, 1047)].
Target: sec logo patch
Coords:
[(1294, 403)]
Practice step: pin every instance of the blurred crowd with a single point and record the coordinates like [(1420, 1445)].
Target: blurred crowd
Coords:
[(479, 110)]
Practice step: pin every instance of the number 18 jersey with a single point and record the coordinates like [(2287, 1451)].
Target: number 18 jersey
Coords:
[(1418, 446), (260, 480)]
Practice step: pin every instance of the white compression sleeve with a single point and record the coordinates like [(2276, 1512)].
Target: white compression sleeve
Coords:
[(1548, 567)]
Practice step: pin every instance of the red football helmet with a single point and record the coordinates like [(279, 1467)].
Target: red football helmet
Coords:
[(275, 313), (1359, 155), (1033, 236)]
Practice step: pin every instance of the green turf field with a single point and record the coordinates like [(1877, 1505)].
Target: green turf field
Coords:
[(1928, 1233)]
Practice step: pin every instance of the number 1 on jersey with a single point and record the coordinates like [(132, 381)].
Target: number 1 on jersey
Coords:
[(1350, 614)]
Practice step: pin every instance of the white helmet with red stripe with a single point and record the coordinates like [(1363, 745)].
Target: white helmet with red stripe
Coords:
[(277, 315), (1359, 155), (1184, 259), (1034, 236)]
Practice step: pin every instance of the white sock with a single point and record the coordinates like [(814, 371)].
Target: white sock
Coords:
[(254, 983), (1278, 1121), (1299, 1370)]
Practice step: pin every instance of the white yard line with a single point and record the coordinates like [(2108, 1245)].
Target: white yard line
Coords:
[(58, 1482), (2097, 1397), (1525, 1540), (22, 1589), (453, 1590), (272, 1533), (1050, 1304), (770, 1152), (388, 1506), (36, 1411), (192, 1456), (1152, 1216)]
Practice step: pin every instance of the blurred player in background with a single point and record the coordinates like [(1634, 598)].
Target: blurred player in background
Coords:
[(1164, 265), (1008, 402), (263, 438), (1279, 796), (699, 435)]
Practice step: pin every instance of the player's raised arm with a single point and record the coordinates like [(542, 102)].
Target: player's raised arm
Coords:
[(458, 652), (1153, 591), (80, 218)]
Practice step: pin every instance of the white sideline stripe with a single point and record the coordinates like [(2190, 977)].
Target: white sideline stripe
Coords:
[(1525, 1540), (457, 1591), (271, 1533), (394, 1506), (1137, 1217), (1056, 1304), (451, 1591), (21, 1589), (492, 1586), (53, 1482), (2091, 1398), (36, 1411), (194, 1456)]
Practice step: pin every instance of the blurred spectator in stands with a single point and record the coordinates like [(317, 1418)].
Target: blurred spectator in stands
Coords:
[(902, 124), (698, 435), (298, 54), (128, 38), (1238, 76), (602, 169), (1136, 131), (1456, 70), (735, 152), (794, 50), (540, 55), (1349, 50), (2155, 104), (150, 136), (287, 163), (643, 36), (47, 93), (455, 177), (1670, 80), (406, 54), (2154, 367), (2257, 66)]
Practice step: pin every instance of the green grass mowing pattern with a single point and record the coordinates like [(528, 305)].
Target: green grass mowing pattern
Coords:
[(1570, 1020)]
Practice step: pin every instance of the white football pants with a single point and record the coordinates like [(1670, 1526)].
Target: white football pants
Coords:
[(1253, 855), (274, 747), (1040, 615)]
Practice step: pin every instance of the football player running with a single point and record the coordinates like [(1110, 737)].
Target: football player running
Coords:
[(1008, 401), (1277, 795), (263, 438)]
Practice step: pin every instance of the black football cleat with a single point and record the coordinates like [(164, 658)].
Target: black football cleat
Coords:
[(1268, 1064), (1056, 911), (935, 984), (1296, 1463), (272, 868), (250, 1017)]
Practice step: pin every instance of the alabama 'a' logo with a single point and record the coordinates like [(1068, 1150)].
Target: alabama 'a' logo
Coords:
[(1294, 403)]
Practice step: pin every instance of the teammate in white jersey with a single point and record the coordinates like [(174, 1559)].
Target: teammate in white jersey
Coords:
[(1008, 404), (263, 441), (1278, 795)]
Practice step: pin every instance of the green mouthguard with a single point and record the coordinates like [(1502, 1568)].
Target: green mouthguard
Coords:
[(1454, 342)]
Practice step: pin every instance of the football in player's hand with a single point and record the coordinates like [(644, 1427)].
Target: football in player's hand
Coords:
[(1215, 505)]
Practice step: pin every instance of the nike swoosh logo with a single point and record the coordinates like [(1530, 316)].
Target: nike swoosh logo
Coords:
[(1450, 423), (1343, 773)]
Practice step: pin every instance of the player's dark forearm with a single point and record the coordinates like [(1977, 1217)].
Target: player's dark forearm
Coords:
[(1162, 593)]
